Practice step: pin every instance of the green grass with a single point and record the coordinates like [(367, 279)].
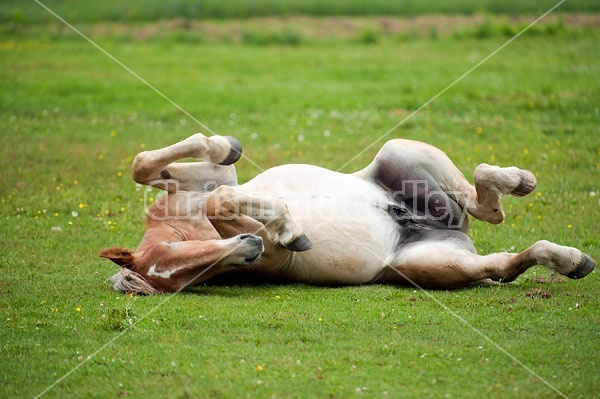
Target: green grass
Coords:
[(150, 10), (71, 120)]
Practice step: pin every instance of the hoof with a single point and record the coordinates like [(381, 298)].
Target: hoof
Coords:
[(586, 266), (165, 174), (234, 154), (300, 244), (527, 185)]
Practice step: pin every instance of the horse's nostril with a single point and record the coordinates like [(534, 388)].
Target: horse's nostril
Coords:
[(245, 236)]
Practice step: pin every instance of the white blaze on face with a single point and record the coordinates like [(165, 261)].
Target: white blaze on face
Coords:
[(166, 274)]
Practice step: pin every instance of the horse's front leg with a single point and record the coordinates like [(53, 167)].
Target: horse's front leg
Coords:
[(155, 166), (229, 203)]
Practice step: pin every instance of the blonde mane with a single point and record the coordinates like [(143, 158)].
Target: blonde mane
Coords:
[(127, 281)]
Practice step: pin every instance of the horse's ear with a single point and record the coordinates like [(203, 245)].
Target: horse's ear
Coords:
[(121, 256)]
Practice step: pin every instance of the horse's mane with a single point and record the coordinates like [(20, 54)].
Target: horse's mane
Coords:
[(127, 281)]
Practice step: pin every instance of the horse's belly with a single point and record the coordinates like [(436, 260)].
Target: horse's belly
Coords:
[(345, 218), (338, 261), (351, 240)]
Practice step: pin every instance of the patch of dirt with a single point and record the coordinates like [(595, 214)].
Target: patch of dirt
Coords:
[(538, 293), (553, 279), (323, 27)]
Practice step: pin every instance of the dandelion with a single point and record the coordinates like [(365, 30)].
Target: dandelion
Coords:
[(57, 188), (479, 130), (100, 156), (538, 194), (81, 205), (259, 368), (539, 217), (113, 133), (569, 226), (531, 204), (78, 308), (74, 214), (119, 174), (75, 182), (525, 151), (320, 319)]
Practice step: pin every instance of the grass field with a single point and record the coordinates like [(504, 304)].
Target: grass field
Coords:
[(72, 119), (150, 10)]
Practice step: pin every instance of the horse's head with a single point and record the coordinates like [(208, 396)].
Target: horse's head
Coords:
[(164, 266), (127, 280)]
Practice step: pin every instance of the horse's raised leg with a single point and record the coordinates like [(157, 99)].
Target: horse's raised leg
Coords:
[(228, 203), (450, 264), (401, 160), (491, 184), (153, 167)]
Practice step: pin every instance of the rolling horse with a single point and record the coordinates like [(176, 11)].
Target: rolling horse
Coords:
[(402, 219)]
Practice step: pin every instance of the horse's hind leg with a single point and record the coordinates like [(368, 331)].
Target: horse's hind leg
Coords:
[(446, 265), (401, 160), (152, 167), (493, 182)]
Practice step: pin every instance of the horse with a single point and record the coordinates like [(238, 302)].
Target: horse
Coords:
[(403, 219)]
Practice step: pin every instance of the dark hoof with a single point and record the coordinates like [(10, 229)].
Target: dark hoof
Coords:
[(527, 185), (300, 244), (165, 174), (584, 268), (235, 153)]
